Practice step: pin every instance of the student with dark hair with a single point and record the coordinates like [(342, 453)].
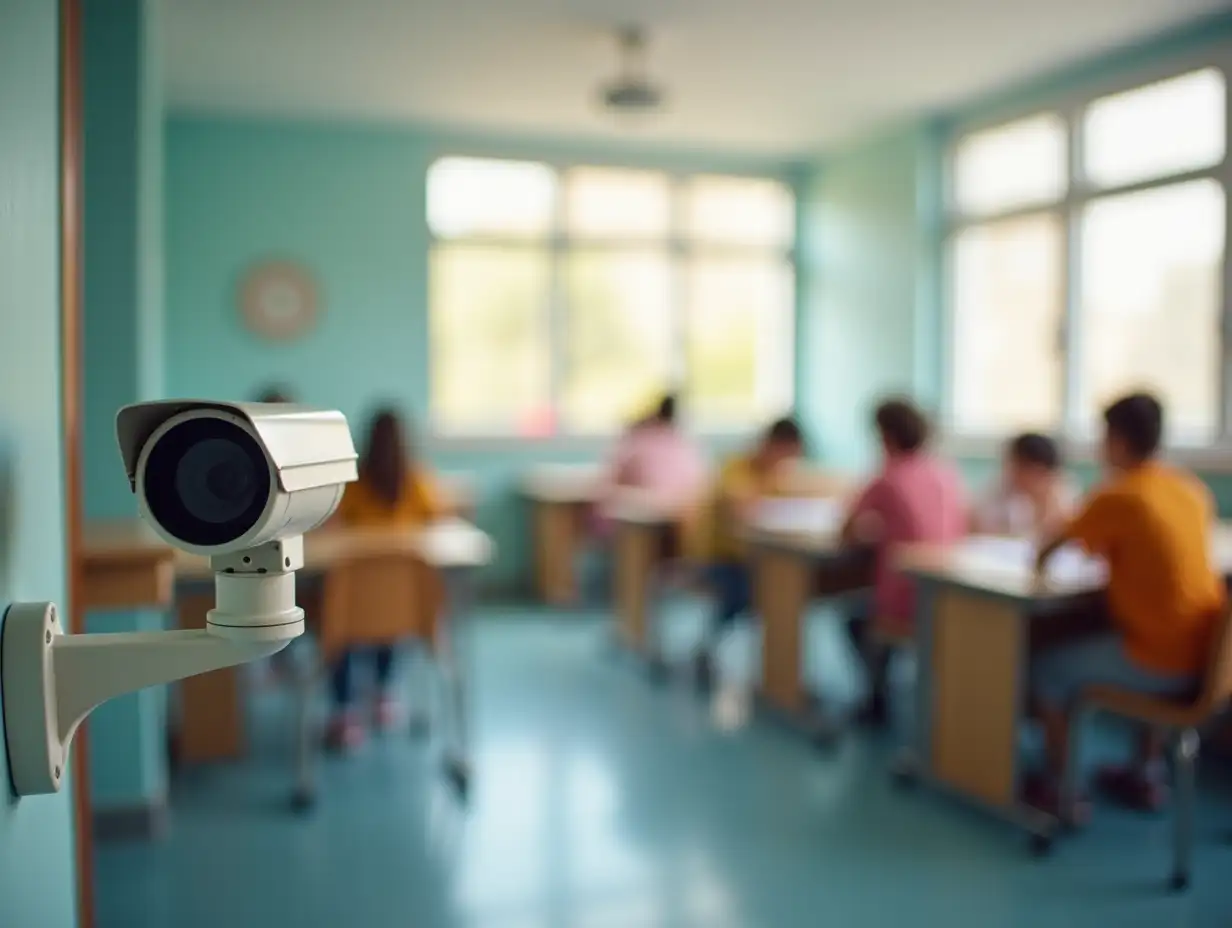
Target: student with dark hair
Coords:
[(274, 394), (1033, 496), (1151, 523), (743, 481), (915, 498), (657, 457), (393, 489)]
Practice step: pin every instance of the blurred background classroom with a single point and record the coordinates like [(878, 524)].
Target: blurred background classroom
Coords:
[(519, 225)]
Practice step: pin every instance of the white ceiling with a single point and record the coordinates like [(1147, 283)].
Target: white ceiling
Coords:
[(785, 77)]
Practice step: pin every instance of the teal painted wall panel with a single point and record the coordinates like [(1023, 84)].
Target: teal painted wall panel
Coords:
[(123, 349), (37, 885), (348, 203), (862, 249)]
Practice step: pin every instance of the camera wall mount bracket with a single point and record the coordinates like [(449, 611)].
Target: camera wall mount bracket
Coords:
[(50, 681)]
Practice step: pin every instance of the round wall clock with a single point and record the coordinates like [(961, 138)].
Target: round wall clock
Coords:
[(278, 300)]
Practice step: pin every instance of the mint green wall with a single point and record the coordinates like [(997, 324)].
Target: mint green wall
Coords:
[(862, 327), (872, 309), (347, 202), (123, 340), (37, 885)]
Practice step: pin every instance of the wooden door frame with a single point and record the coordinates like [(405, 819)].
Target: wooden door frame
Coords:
[(71, 184)]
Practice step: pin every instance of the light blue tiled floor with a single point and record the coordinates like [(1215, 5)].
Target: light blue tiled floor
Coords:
[(600, 801)]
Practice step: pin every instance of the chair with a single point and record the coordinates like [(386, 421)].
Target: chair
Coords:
[(1182, 720), (365, 601)]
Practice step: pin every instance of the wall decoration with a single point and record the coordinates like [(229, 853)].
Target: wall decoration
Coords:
[(278, 300)]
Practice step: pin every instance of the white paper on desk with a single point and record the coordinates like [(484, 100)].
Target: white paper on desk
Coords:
[(804, 515), (1069, 565)]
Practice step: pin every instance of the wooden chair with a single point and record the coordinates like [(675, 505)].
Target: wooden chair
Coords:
[(1182, 719), (366, 601)]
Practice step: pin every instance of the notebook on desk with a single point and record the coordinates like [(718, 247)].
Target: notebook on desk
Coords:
[(1069, 565), (807, 515)]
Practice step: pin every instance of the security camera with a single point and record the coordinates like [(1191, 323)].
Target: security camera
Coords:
[(237, 482)]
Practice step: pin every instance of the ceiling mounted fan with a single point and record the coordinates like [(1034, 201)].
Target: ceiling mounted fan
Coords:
[(632, 92)]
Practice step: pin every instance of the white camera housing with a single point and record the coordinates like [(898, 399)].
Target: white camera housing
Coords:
[(237, 482), (301, 460)]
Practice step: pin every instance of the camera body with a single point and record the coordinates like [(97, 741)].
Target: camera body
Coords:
[(219, 478), (240, 483)]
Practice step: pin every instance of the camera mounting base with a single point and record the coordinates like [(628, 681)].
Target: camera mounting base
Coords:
[(50, 681)]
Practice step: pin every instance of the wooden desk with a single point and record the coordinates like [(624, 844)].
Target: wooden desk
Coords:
[(128, 566), (978, 618), (561, 497), (648, 536), (790, 569)]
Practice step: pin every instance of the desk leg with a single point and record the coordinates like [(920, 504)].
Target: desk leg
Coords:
[(781, 588), (972, 692), (635, 549), (211, 707), (456, 651), (556, 543)]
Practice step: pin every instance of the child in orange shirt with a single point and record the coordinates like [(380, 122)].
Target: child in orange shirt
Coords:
[(393, 490), (1152, 525)]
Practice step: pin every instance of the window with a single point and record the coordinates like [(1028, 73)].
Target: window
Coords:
[(1074, 279), (565, 300)]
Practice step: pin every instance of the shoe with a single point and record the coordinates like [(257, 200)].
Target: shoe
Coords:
[(1041, 793), (344, 733), (1132, 788), (703, 670), (387, 713), (874, 713)]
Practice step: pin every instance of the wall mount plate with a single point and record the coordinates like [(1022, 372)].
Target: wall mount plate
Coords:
[(35, 750)]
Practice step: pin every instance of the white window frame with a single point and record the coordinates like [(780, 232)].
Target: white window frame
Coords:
[(676, 245), (1071, 108)]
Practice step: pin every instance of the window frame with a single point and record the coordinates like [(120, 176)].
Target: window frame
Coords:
[(558, 243), (1071, 107)]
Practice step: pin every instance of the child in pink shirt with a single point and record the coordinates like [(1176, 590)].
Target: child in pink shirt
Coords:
[(915, 498), (658, 459)]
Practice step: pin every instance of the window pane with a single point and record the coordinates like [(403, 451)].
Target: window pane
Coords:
[(739, 339), (1014, 165), (619, 336), (470, 196), (1007, 311), (610, 202), (739, 210), (1165, 128), (1151, 302), (489, 328)]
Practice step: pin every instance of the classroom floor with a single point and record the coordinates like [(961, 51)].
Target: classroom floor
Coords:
[(601, 801)]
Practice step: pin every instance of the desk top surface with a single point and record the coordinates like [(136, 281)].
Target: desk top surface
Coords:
[(1006, 567), (564, 483), (448, 543)]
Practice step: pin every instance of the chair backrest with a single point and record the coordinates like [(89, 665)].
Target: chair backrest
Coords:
[(1217, 686), (378, 599)]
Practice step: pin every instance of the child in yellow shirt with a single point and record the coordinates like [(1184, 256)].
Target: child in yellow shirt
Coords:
[(743, 481), (393, 490), (1152, 524)]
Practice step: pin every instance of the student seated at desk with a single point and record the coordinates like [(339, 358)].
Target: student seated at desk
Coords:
[(658, 458), (1032, 497), (1152, 524), (393, 490), (743, 481), (916, 498)]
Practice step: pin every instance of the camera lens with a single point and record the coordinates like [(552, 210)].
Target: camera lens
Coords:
[(206, 481)]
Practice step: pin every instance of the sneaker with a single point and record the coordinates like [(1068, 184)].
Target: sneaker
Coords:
[(874, 713), (387, 713), (703, 670), (1132, 788), (344, 733), (1041, 793)]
